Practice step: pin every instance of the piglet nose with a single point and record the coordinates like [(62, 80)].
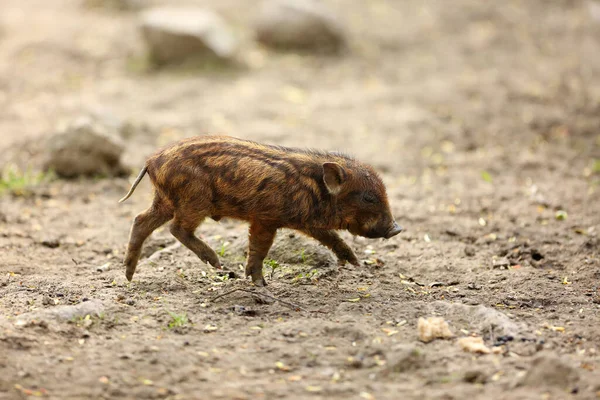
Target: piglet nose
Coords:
[(395, 229)]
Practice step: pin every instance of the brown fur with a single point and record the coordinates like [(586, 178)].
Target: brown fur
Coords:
[(271, 187)]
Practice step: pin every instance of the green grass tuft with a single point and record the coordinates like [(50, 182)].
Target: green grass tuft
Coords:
[(177, 320), (18, 182)]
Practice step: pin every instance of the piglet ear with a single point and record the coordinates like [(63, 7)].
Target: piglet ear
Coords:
[(334, 177)]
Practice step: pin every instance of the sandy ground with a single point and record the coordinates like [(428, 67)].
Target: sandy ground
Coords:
[(484, 120)]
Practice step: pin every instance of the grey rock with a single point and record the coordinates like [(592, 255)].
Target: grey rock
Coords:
[(174, 35), (85, 148), (482, 318), (549, 370), (299, 24), (63, 313)]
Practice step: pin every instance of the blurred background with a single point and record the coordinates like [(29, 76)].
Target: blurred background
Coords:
[(406, 85), (432, 95), (483, 118)]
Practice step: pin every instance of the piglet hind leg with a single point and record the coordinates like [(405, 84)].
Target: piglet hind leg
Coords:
[(261, 239), (143, 225), (183, 228)]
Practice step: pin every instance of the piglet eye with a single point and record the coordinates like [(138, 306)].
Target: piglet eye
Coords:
[(369, 198)]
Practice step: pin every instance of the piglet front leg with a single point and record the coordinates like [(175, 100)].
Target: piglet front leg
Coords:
[(333, 241)]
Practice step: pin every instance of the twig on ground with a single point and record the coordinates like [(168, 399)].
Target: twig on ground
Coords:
[(287, 303)]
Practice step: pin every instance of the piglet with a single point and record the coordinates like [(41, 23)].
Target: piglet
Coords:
[(271, 187)]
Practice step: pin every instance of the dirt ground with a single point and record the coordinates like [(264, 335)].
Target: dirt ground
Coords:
[(484, 120)]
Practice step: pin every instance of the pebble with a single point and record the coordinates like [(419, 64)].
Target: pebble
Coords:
[(51, 243)]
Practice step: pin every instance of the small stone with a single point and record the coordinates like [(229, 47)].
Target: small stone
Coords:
[(299, 24), (473, 286), (473, 345), (103, 268), (470, 251), (51, 243), (475, 376), (433, 328), (501, 263), (174, 35)]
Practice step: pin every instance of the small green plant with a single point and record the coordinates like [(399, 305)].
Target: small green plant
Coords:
[(273, 265), (223, 248), (16, 181), (486, 176), (303, 256), (177, 320)]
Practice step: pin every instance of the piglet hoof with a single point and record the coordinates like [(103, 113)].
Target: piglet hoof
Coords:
[(260, 282), (213, 261), (129, 273), (352, 260)]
